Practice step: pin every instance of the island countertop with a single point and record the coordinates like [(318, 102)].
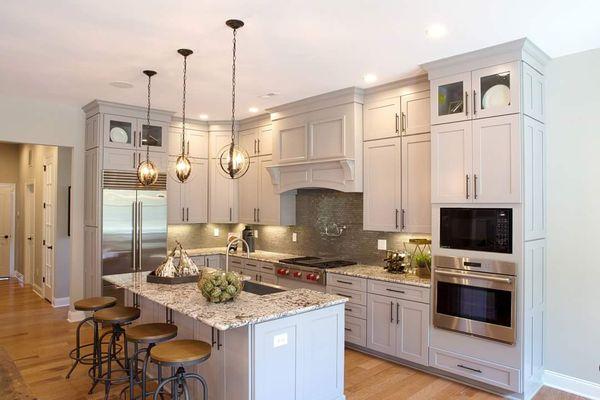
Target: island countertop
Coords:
[(246, 309)]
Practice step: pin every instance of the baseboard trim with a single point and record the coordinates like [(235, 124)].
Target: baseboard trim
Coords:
[(37, 290), (571, 384), (19, 277), (75, 316), (60, 302)]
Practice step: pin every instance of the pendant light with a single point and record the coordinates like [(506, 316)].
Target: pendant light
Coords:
[(183, 167), (147, 172), (234, 161)]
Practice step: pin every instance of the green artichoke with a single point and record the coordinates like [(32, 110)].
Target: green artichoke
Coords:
[(219, 287)]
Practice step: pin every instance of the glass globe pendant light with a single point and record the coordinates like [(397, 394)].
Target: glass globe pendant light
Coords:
[(183, 167), (234, 161), (147, 172)]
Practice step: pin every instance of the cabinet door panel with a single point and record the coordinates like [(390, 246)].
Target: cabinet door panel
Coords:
[(268, 278), (124, 131), (451, 100), (381, 324), (413, 331), (175, 211), (533, 93), (92, 132), (534, 173), (196, 143), (265, 140), (416, 184), (416, 111), (248, 194), (121, 159), (269, 212), (451, 163), (497, 160), (222, 196), (249, 141), (156, 135), (93, 171), (382, 119), (195, 191), (496, 90), (216, 141), (382, 185)]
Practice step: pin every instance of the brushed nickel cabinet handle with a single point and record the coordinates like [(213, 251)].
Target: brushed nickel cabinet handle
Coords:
[(258, 142), (475, 186), (397, 313), (466, 105), (183, 214), (391, 311), (258, 215), (187, 210), (467, 185), (254, 146), (230, 214), (403, 219), (404, 122), (469, 368), (474, 102), (396, 211), (348, 329), (397, 123), (395, 291), (254, 215), (344, 282)]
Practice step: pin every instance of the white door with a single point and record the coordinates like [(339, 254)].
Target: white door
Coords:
[(382, 187), (249, 140), (175, 211), (382, 118), (451, 163), (48, 229), (222, 194), (248, 194), (416, 112), (269, 212), (413, 331), (29, 241), (496, 90), (265, 140), (195, 193), (381, 324), (497, 160), (6, 229), (451, 99), (416, 184)]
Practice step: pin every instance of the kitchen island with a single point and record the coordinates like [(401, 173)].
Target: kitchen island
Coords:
[(285, 345)]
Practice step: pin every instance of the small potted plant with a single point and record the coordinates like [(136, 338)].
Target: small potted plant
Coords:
[(423, 264)]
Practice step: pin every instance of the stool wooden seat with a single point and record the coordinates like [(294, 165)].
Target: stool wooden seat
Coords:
[(117, 315), (180, 352), (94, 303), (151, 333)]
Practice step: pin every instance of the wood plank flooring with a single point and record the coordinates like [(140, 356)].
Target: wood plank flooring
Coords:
[(38, 338)]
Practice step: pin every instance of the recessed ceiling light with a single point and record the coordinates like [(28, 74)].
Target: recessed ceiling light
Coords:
[(436, 31), (370, 78), (268, 95), (121, 84), (203, 116), (253, 109)]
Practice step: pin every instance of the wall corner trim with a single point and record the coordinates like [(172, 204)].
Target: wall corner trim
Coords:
[(571, 384), (75, 316)]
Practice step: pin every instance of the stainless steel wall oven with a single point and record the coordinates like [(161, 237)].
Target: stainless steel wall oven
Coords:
[(476, 297)]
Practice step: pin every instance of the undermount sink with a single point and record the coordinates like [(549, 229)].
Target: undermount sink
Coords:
[(260, 289)]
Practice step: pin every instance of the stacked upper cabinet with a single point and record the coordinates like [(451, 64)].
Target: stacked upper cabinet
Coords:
[(188, 202), (223, 191), (397, 159)]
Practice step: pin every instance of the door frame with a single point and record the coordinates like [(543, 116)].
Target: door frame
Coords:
[(11, 260), (29, 216), (49, 159)]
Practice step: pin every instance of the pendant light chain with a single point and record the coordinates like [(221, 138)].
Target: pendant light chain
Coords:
[(233, 88), (148, 121), (183, 112)]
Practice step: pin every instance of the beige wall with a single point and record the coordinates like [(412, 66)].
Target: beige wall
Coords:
[(9, 163), (573, 278)]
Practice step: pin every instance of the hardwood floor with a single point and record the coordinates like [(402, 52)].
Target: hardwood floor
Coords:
[(38, 338)]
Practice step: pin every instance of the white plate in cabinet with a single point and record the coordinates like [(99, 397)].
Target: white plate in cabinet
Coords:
[(356, 331), (382, 119), (400, 291), (353, 296), (346, 282), (118, 123), (355, 310), (480, 370), (489, 85)]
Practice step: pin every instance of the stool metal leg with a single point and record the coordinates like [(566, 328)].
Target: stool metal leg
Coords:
[(202, 381), (78, 346)]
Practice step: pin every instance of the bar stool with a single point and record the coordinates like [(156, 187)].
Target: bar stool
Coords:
[(150, 335), (179, 354), (117, 317), (91, 304)]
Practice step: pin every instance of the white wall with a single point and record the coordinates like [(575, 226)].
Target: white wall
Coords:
[(25, 120), (573, 280)]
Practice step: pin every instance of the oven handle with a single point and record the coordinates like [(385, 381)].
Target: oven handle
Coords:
[(476, 276)]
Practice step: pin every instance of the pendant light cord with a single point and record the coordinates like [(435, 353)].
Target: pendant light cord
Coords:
[(183, 111)]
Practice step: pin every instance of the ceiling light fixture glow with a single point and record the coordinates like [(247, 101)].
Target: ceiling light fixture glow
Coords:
[(203, 117), (121, 84), (253, 109), (370, 78), (436, 31)]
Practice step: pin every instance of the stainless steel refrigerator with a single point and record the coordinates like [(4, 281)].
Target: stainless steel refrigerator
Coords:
[(134, 233)]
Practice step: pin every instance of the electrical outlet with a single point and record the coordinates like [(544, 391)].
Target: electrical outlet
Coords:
[(216, 232), (294, 237), (256, 233), (381, 244)]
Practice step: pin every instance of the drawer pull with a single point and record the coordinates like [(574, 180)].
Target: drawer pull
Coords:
[(268, 268), (344, 295), (394, 290), (344, 282), (348, 329), (349, 309), (469, 368)]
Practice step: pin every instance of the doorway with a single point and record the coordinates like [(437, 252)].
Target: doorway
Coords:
[(49, 194), (29, 231), (7, 230)]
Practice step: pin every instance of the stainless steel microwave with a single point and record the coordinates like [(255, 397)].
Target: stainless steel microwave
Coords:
[(478, 229)]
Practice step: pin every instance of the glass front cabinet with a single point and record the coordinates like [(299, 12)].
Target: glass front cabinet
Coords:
[(481, 93), (134, 133)]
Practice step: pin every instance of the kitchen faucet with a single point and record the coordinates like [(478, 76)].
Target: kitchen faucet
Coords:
[(235, 240)]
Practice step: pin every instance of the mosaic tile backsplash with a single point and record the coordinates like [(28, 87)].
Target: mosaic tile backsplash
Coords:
[(316, 209)]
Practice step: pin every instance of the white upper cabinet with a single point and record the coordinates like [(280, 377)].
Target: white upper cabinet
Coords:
[(533, 93), (216, 141), (92, 132), (249, 140), (416, 184), (154, 135), (415, 112), (248, 193), (188, 202), (382, 118), (451, 162), (534, 172), (196, 142), (223, 196), (120, 131), (496, 90), (265, 140), (382, 185), (497, 160), (451, 98)]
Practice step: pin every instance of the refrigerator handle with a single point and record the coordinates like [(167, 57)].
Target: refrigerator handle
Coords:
[(134, 233), (140, 219)]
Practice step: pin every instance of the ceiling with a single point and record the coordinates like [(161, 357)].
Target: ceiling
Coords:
[(69, 50)]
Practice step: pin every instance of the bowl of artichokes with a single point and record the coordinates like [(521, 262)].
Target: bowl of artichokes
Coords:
[(220, 287)]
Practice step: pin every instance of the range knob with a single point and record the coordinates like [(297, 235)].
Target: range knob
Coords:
[(312, 277), (283, 271), (297, 274)]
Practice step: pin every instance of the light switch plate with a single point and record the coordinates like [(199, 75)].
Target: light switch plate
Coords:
[(294, 237), (256, 233), (280, 340), (216, 232), (381, 244)]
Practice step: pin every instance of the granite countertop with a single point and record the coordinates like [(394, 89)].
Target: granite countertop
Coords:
[(260, 255), (246, 309), (380, 274)]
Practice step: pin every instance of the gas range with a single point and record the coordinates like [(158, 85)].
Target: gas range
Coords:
[(308, 269)]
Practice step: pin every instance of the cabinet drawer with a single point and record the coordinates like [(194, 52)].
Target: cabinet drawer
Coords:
[(354, 296), (266, 268), (346, 282), (251, 264), (237, 269), (356, 311), (235, 262), (199, 260), (483, 371), (399, 291), (356, 331)]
